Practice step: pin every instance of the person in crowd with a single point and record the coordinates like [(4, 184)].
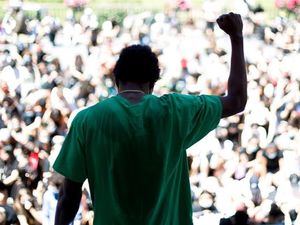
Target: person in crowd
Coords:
[(8, 214)]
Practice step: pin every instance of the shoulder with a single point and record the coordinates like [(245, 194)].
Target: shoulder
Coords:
[(77, 116), (175, 97), (185, 99), (279, 154), (10, 212), (85, 113), (47, 195)]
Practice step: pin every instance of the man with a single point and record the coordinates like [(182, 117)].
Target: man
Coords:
[(131, 147)]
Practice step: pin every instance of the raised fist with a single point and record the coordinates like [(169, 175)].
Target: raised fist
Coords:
[(231, 24)]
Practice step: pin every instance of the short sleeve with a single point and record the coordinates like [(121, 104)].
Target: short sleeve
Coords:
[(71, 159), (197, 116)]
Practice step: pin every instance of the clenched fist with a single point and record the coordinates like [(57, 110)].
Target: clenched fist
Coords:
[(231, 24)]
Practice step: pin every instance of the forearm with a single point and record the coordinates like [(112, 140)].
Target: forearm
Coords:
[(65, 211), (37, 215), (237, 82), (12, 178)]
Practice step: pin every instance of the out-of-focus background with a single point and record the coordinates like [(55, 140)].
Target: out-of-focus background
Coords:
[(56, 57)]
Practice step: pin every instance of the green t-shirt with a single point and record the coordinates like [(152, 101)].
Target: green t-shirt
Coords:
[(134, 157)]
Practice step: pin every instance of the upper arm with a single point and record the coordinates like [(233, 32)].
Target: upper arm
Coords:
[(231, 105), (68, 202), (71, 190)]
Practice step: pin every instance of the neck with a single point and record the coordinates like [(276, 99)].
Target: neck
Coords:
[(132, 92), (134, 88)]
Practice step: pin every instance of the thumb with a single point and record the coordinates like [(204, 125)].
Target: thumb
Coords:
[(221, 24), (221, 21)]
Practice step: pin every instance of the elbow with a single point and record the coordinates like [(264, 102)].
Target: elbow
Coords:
[(239, 104), (242, 104), (241, 100), (233, 104)]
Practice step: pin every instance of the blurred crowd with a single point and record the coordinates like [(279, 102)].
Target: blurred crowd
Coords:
[(247, 171)]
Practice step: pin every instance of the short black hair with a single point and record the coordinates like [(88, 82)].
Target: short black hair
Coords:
[(137, 63)]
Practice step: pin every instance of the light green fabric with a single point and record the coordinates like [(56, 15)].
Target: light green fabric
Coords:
[(134, 156)]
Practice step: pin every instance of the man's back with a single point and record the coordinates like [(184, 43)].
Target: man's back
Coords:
[(134, 156)]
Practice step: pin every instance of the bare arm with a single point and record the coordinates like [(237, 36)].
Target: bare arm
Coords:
[(11, 178), (236, 98), (68, 202)]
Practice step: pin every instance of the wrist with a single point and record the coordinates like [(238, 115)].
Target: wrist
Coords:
[(236, 41), (236, 37)]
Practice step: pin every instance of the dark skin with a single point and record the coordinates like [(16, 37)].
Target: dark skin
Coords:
[(234, 102), (68, 202)]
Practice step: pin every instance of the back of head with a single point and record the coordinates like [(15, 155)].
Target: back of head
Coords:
[(138, 64), (241, 218)]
